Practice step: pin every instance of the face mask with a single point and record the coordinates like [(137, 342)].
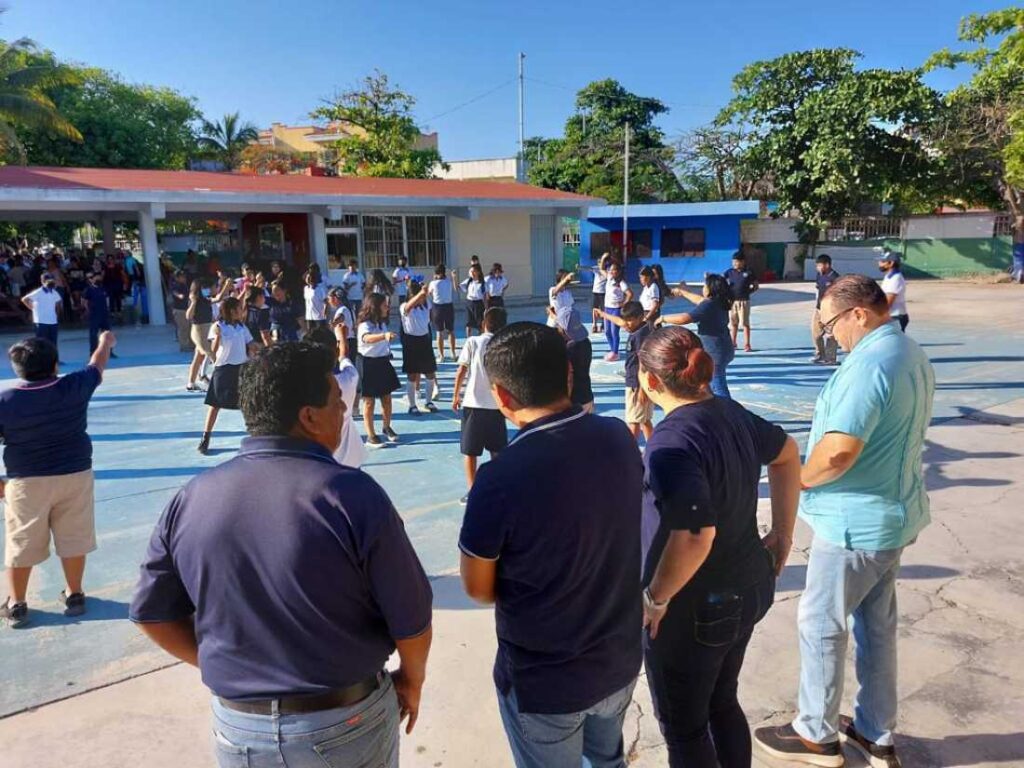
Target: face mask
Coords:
[(206, 292)]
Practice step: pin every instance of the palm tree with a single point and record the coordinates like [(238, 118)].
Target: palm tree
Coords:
[(226, 138), (24, 78)]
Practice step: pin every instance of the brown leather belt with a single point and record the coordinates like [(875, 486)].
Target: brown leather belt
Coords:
[(317, 702)]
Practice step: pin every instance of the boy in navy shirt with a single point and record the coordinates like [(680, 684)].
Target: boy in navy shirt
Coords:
[(98, 307), (742, 284), (639, 409)]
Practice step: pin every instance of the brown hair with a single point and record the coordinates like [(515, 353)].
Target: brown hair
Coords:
[(676, 356), (856, 291)]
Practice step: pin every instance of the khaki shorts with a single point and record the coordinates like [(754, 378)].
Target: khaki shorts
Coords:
[(739, 314), (200, 334), (38, 506), (639, 408)]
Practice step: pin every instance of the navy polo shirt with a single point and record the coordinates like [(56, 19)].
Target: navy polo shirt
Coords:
[(99, 310), (711, 317), (632, 366), (43, 425), (298, 572), (823, 283), (559, 510), (257, 320), (741, 283), (703, 467)]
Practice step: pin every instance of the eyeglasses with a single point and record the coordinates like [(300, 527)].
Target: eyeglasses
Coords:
[(831, 324)]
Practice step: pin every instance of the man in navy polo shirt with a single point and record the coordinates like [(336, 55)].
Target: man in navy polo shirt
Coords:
[(48, 458), (742, 284), (288, 579), (559, 557)]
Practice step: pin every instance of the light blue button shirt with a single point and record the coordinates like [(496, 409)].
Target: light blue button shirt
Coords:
[(882, 394)]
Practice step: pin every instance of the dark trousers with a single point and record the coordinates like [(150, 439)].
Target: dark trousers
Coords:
[(115, 299), (95, 329), (904, 322), (48, 332), (693, 667)]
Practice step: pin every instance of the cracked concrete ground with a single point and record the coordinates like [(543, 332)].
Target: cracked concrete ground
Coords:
[(961, 589)]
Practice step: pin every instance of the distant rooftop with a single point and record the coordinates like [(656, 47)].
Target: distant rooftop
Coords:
[(662, 210)]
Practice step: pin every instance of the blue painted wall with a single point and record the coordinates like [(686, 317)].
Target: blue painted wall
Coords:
[(721, 240)]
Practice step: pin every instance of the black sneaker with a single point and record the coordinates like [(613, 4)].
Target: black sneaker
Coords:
[(877, 755), (204, 444), (74, 604), (391, 435), (374, 442), (414, 411), (431, 407), (16, 614), (783, 742)]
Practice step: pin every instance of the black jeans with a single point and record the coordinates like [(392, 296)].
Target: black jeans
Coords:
[(693, 667), (904, 322)]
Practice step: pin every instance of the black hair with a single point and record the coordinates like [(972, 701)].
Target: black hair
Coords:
[(738, 256), (323, 337), (824, 259), (374, 309), (476, 267), (282, 380), (659, 278), (718, 290), (439, 270), (632, 310), (33, 359), (378, 278), (228, 306), (495, 319), (531, 361), (856, 291)]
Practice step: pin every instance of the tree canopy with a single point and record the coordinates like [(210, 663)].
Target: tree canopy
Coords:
[(588, 158), (226, 139), (383, 135), (828, 135)]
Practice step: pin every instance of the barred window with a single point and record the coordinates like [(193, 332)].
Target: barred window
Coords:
[(682, 242), (426, 240)]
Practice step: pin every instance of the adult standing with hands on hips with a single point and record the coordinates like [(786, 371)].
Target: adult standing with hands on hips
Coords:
[(289, 580), (894, 286), (709, 576)]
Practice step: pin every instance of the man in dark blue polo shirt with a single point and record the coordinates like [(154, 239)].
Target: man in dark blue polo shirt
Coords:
[(559, 555), (742, 284), (49, 483), (825, 347), (288, 580)]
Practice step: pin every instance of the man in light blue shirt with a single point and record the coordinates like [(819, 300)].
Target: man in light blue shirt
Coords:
[(865, 500)]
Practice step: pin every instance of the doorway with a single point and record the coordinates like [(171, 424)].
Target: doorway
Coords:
[(342, 247)]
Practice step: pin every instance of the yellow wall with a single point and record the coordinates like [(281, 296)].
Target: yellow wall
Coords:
[(294, 137), (502, 236)]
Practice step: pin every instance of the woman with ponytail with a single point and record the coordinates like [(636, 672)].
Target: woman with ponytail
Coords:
[(708, 575), (711, 314)]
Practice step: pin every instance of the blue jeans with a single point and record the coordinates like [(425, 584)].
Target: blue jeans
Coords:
[(841, 582), (365, 733), (562, 741), (611, 330), (722, 353)]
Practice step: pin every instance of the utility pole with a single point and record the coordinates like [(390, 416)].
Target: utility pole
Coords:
[(625, 203), (521, 165)]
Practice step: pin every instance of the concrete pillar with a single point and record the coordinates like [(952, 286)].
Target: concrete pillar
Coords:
[(318, 241), (151, 263), (107, 225)]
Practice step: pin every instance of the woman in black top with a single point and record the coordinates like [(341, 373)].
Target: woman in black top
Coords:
[(711, 314), (709, 576)]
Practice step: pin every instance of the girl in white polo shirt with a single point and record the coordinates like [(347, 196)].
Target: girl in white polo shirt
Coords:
[(650, 294), (417, 353), (476, 292), (600, 271), (232, 344), (616, 294), (497, 284), (560, 295), (376, 373), (442, 310)]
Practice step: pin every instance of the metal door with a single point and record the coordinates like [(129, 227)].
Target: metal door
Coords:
[(542, 253)]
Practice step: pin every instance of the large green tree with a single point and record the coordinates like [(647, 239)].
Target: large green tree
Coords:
[(589, 157), (382, 135), (225, 140), (830, 136), (122, 125), (979, 134), (25, 79)]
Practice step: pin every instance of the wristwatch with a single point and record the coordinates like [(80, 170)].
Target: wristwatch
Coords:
[(651, 604)]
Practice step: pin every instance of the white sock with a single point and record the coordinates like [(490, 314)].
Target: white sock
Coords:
[(410, 393), (435, 391)]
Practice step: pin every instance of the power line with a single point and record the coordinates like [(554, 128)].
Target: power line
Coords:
[(473, 100)]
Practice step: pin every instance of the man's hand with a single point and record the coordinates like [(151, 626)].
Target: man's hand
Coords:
[(652, 618), (456, 402), (779, 546), (409, 692), (108, 339), (2, 484)]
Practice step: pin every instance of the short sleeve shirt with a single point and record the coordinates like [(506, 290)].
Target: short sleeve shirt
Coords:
[(632, 367), (496, 285), (882, 394), (99, 309), (44, 305), (703, 467), (316, 297), (615, 293), (400, 277), (568, 609), (440, 291), (43, 425), (824, 282), (380, 348), (711, 317), (475, 290), (257, 320), (343, 315), (650, 296), (353, 283), (415, 320), (741, 283), (297, 571), (234, 342), (478, 386), (894, 284)]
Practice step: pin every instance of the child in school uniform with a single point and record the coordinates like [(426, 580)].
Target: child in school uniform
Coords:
[(341, 317), (97, 306), (496, 284), (232, 345), (650, 294), (351, 452), (639, 408), (476, 292), (616, 294), (581, 354), (600, 271), (442, 310), (315, 295), (353, 284), (284, 323), (560, 295), (376, 373), (483, 426), (417, 352)]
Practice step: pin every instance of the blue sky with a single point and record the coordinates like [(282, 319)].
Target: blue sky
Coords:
[(275, 61)]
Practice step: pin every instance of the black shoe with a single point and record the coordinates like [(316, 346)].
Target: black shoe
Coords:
[(204, 444), (374, 442), (16, 614), (414, 411), (877, 755), (74, 604), (782, 741), (391, 435), (431, 407)]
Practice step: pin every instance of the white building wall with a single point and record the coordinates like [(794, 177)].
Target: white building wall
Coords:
[(496, 169), (950, 226), (502, 236), (767, 231)]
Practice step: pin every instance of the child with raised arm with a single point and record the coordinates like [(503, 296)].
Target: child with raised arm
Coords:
[(417, 353), (639, 409)]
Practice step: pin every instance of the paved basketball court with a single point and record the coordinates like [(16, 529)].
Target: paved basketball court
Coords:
[(962, 591)]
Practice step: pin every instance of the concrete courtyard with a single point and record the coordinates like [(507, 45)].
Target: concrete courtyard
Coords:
[(92, 692)]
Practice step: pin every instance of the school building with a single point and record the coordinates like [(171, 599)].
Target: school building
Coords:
[(686, 239), (301, 219)]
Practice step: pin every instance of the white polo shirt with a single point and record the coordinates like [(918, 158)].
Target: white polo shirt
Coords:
[(895, 284), (478, 387), (496, 285), (343, 315), (234, 343), (440, 290), (650, 296), (475, 291), (615, 293), (353, 283), (415, 321), (316, 297), (400, 277), (375, 349), (44, 306)]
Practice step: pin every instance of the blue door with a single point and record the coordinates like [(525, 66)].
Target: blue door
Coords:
[(542, 253)]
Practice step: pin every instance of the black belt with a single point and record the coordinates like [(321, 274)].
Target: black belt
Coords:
[(317, 702)]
